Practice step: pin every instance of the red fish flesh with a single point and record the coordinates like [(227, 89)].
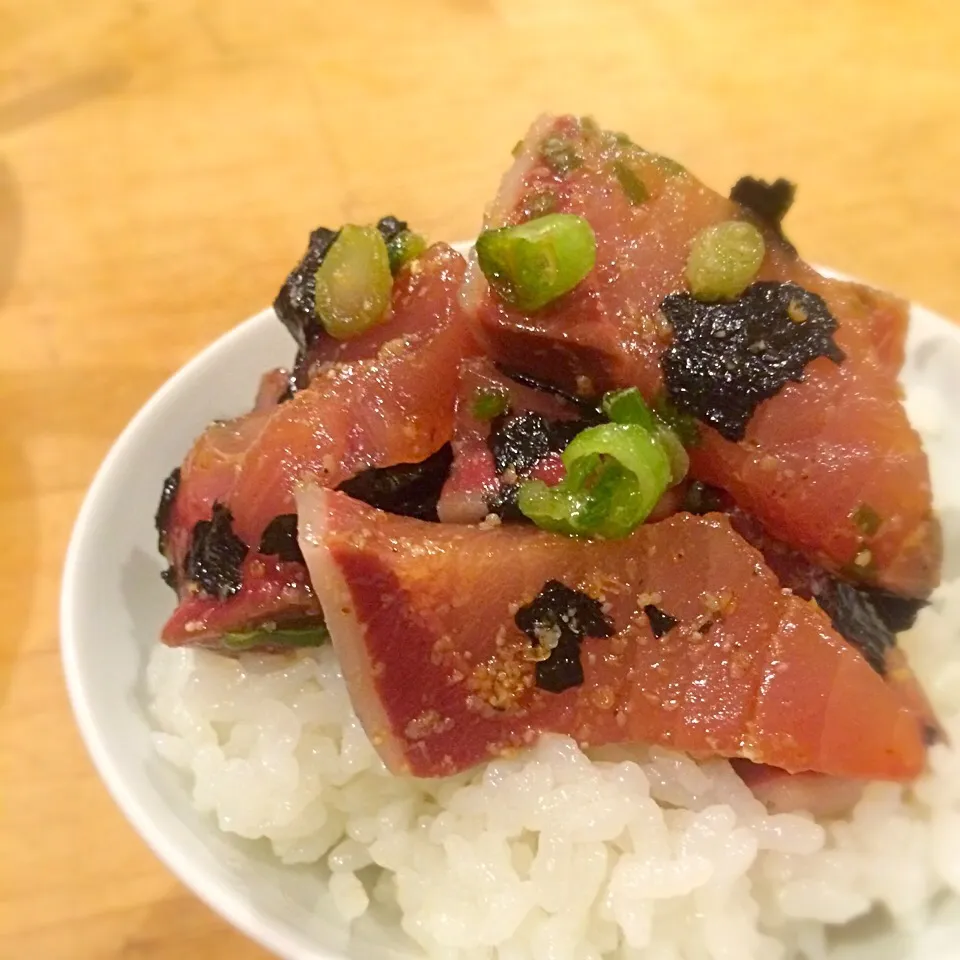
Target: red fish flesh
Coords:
[(459, 644), (815, 456), (379, 403)]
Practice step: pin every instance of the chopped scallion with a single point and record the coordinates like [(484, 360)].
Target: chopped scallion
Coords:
[(724, 259), (533, 263), (313, 635), (635, 189), (353, 283), (628, 406), (560, 156), (403, 248), (489, 403), (616, 473)]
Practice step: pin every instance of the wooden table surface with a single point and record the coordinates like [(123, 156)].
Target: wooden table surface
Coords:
[(160, 166)]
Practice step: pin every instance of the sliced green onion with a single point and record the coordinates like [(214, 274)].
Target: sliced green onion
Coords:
[(589, 127), (489, 403), (353, 283), (635, 189), (628, 406), (561, 156), (616, 473), (403, 248), (671, 167), (539, 204), (313, 635), (532, 264), (684, 425), (724, 259)]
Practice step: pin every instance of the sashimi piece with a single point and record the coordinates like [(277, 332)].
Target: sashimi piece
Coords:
[(495, 412), (815, 455), (392, 403), (272, 593), (819, 795), (463, 643), (494, 453)]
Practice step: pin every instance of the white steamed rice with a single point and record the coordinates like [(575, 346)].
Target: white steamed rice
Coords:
[(554, 854), (559, 855)]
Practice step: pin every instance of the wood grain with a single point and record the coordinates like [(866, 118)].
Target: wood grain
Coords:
[(160, 166)]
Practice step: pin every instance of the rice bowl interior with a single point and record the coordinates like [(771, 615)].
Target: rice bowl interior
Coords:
[(270, 753)]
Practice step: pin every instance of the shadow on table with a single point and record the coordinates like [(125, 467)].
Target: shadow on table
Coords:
[(181, 920), (91, 403), (61, 95), (19, 520)]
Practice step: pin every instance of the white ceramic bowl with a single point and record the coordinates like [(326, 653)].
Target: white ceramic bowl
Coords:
[(113, 604)]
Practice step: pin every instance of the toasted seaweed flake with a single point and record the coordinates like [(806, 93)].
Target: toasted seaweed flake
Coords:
[(167, 496), (566, 616), (769, 201), (857, 620), (504, 503), (661, 623), (898, 613), (390, 227), (702, 498), (407, 489), (216, 554), (280, 538), (296, 303), (727, 358), (589, 409), (522, 440)]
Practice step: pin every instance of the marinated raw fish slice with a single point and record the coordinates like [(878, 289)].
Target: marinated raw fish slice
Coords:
[(474, 485), (705, 652), (392, 407), (295, 306), (395, 407), (815, 453), (272, 591), (814, 793)]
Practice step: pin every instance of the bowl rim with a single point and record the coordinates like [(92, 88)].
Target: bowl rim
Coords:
[(225, 901)]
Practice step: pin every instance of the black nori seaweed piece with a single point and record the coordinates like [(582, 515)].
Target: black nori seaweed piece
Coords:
[(589, 409), (768, 201), (856, 620), (170, 578), (408, 489), (574, 615), (898, 613), (294, 379), (702, 498), (661, 623), (296, 303), (727, 358), (216, 554), (390, 227), (279, 538), (504, 504), (522, 440), (168, 494)]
